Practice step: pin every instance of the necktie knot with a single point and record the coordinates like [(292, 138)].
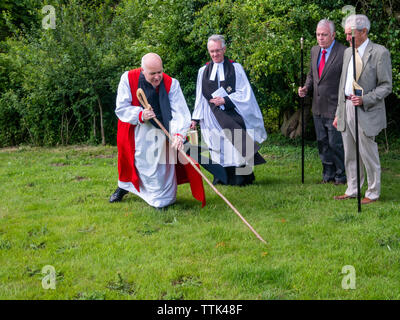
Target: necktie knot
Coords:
[(324, 51)]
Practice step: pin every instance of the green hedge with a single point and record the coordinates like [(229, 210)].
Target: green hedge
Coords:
[(56, 83)]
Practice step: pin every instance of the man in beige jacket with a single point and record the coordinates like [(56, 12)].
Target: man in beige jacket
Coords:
[(374, 76)]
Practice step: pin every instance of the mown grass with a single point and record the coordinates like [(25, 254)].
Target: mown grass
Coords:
[(54, 211)]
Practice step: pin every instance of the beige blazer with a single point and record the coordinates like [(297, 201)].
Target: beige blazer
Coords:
[(376, 80)]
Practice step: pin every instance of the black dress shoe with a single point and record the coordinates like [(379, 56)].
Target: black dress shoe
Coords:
[(118, 195), (216, 181)]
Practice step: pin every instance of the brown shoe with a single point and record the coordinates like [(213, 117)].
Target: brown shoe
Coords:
[(343, 197), (367, 200)]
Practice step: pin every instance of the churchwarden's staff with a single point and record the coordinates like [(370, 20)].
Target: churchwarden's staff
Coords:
[(143, 100), (356, 122), (302, 108)]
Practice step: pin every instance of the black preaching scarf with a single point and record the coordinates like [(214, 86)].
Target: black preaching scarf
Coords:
[(229, 118), (159, 101)]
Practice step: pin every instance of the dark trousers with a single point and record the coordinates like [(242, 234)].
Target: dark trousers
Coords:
[(330, 148)]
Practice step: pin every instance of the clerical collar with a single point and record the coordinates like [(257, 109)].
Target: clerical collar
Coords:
[(221, 74)]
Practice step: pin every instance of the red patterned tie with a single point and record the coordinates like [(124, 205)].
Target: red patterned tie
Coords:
[(321, 63)]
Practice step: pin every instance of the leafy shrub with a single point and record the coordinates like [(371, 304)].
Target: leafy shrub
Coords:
[(59, 85)]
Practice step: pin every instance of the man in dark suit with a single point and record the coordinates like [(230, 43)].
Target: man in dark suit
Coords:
[(323, 81)]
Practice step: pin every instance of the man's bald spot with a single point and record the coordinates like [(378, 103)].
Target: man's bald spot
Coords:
[(152, 60), (152, 69)]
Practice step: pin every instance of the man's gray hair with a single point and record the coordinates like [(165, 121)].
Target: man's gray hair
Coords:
[(217, 37), (329, 23), (358, 21)]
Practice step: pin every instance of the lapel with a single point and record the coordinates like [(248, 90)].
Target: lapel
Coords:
[(366, 56), (314, 61), (332, 57)]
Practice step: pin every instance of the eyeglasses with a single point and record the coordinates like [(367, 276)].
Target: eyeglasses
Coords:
[(216, 51)]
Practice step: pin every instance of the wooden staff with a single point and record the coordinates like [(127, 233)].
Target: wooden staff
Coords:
[(356, 124), (302, 109), (143, 100)]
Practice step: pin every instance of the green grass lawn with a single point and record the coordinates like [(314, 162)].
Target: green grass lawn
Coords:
[(54, 211)]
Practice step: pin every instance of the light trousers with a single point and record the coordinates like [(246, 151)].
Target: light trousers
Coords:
[(369, 157)]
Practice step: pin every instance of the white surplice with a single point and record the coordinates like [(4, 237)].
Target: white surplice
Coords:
[(221, 149)]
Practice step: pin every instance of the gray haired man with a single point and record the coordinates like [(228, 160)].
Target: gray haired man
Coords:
[(374, 80), (323, 82), (230, 119)]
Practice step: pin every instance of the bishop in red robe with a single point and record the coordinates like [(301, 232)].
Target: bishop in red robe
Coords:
[(148, 165)]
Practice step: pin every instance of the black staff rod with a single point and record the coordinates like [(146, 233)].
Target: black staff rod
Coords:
[(356, 124), (302, 109)]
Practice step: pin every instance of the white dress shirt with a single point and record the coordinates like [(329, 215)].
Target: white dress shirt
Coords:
[(348, 89)]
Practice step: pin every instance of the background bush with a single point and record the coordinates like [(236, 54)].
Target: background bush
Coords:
[(58, 86)]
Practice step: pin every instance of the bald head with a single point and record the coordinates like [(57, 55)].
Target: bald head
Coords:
[(151, 59), (152, 68)]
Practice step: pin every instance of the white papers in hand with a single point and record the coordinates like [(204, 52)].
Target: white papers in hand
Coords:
[(221, 92)]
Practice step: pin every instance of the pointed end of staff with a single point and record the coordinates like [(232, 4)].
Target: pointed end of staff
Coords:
[(262, 240)]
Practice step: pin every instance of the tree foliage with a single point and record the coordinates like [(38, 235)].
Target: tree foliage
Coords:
[(58, 86)]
